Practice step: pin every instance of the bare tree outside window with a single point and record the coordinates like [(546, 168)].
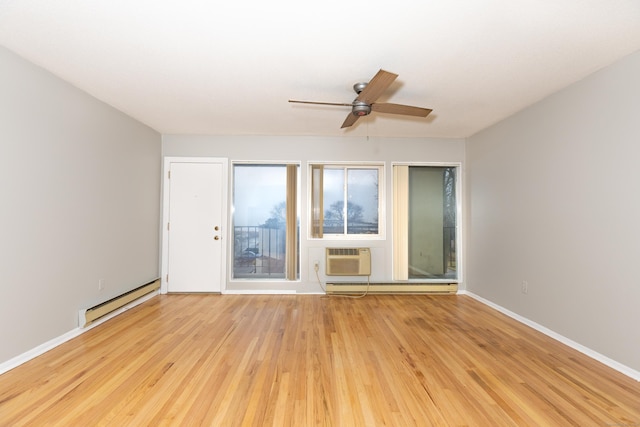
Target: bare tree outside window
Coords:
[(358, 188), (260, 221)]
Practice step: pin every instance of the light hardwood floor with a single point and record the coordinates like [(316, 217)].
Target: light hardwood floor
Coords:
[(289, 360)]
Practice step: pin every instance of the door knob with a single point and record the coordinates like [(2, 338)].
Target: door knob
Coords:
[(216, 228), (216, 238)]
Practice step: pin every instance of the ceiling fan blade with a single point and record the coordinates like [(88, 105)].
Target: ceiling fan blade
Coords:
[(349, 121), (378, 84), (321, 103), (406, 110)]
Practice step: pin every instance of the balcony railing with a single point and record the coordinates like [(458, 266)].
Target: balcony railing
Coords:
[(337, 227), (259, 251)]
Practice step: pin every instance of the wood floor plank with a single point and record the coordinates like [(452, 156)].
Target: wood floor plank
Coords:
[(287, 360)]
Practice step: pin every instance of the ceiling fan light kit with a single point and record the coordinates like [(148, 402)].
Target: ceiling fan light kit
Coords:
[(360, 108), (368, 93)]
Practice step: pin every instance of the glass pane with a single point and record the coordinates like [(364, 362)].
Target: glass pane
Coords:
[(333, 195), (432, 222), (450, 222), (259, 219), (362, 201)]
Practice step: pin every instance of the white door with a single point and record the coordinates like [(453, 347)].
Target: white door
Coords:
[(195, 231)]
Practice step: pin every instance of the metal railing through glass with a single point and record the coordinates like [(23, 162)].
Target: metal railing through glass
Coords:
[(259, 251)]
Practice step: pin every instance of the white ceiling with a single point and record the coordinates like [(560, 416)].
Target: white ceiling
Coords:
[(211, 67)]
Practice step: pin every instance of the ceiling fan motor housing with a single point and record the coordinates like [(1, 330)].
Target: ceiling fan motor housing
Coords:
[(360, 108), (359, 87)]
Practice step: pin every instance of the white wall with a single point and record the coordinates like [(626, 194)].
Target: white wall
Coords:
[(80, 190), (307, 149), (554, 199)]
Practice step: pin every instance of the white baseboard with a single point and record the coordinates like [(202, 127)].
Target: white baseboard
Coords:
[(632, 373), (51, 344), (39, 350), (258, 292)]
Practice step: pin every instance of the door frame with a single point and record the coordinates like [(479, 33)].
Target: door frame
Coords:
[(167, 160)]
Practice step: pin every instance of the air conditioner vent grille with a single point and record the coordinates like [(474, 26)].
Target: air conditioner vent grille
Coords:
[(343, 251), (348, 262)]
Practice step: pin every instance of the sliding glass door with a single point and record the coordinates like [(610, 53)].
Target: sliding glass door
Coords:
[(265, 221), (425, 222)]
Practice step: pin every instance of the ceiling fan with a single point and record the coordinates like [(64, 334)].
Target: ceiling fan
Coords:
[(365, 102)]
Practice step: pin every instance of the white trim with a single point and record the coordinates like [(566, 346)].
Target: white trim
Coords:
[(258, 292), (39, 350), (626, 370), (55, 342)]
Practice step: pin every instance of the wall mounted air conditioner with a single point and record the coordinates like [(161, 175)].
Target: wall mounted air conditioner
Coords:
[(348, 262)]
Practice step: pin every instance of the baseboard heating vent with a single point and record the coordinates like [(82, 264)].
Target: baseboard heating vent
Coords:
[(391, 288), (348, 262), (89, 315)]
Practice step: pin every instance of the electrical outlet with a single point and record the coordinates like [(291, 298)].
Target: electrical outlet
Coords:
[(525, 287), (316, 265), (101, 284)]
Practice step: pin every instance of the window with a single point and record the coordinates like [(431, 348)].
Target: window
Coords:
[(265, 223), (425, 222), (345, 200)]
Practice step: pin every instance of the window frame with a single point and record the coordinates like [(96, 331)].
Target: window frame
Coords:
[(292, 266), (312, 222)]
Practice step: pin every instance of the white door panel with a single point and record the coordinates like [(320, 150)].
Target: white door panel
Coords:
[(195, 239)]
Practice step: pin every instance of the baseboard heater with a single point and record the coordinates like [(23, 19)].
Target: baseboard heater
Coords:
[(89, 315), (391, 288)]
